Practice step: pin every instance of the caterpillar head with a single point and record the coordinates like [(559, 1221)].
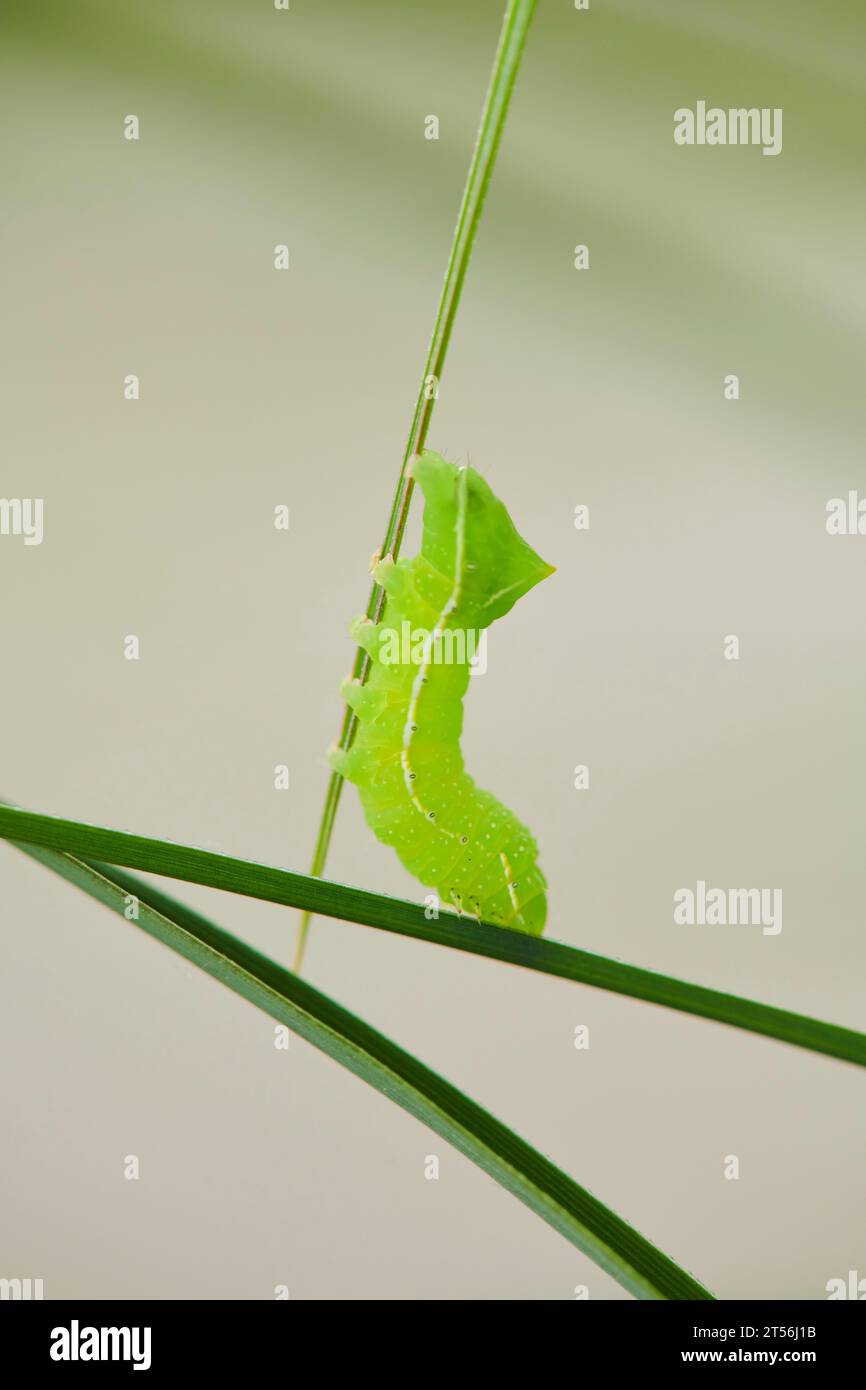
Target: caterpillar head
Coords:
[(468, 534)]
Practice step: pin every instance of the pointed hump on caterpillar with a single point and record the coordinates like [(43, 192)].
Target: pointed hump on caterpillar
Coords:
[(469, 535)]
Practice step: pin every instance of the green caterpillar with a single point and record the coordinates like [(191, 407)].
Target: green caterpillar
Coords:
[(406, 760)]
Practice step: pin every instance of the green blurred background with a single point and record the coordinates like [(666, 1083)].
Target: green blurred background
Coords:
[(601, 387)]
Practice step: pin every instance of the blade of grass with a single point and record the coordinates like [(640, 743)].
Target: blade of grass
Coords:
[(515, 26), (408, 919), (573, 1211)]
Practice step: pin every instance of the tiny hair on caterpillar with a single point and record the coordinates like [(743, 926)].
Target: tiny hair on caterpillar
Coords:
[(406, 760)]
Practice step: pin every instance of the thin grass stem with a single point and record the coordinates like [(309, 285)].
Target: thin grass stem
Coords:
[(515, 25)]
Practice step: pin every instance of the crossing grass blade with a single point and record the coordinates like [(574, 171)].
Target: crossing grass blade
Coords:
[(606, 1238), (336, 900)]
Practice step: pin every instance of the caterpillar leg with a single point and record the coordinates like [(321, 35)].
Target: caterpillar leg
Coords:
[(366, 634), (382, 776), (340, 760), (465, 907), (389, 576), (359, 697)]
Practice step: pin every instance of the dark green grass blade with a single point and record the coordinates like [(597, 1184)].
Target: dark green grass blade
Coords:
[(626, 1255), (407, 919)]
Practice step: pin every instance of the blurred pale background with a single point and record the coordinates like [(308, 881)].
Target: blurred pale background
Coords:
[(601, 387)]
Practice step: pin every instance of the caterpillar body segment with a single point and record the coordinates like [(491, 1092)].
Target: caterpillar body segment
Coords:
[(406, 760)]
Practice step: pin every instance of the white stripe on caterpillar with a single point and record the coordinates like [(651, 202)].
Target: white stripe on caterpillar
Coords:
[(410, 728)]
